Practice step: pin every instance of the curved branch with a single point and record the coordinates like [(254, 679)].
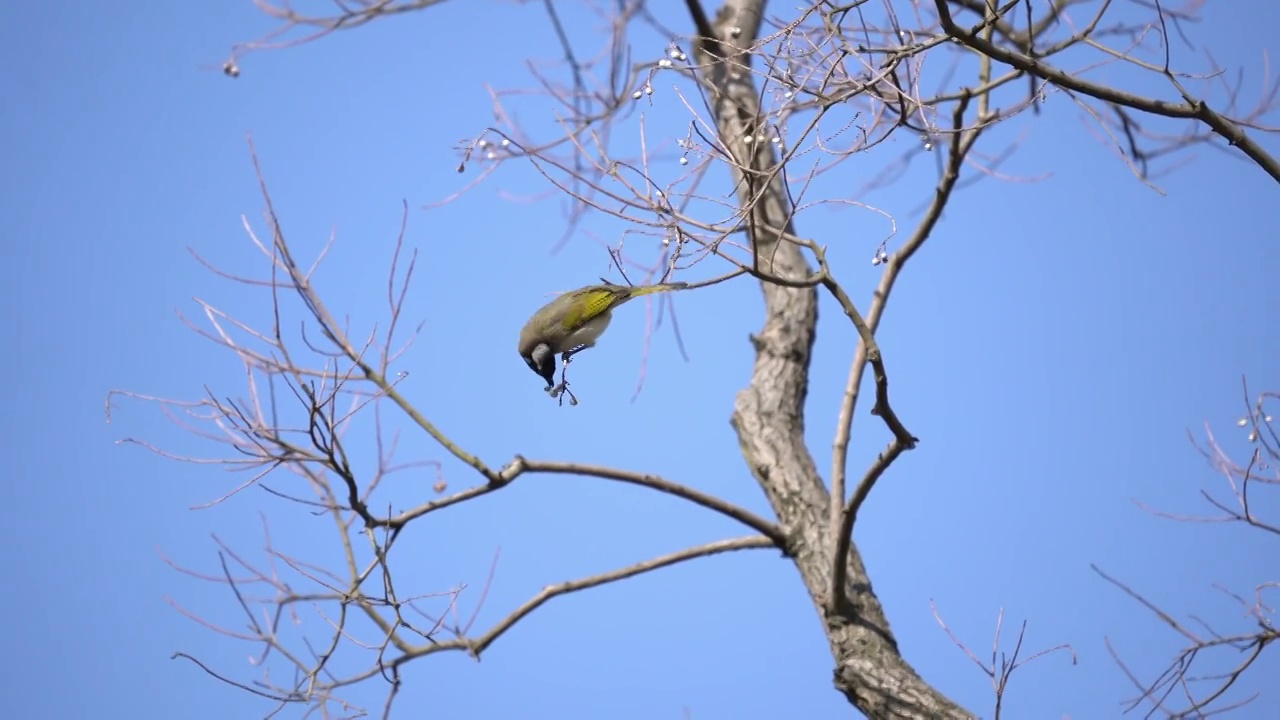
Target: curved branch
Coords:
[(520, 466), (301, 282), (1192, 109), (479, 645), (233, 683), (1178, 673), (564, 588), (843, 519)]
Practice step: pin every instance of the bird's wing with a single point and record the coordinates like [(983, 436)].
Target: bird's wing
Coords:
[(594, 303)]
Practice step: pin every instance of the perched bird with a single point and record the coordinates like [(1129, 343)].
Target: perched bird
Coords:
[(573, 322)]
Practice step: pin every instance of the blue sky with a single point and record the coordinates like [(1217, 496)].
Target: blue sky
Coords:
[(1051, 345)]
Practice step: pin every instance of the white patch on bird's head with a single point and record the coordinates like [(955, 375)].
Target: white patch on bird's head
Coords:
[(538, 357), (542, 361)]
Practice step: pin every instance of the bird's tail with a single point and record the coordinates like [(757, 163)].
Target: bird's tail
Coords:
[(661, 287)]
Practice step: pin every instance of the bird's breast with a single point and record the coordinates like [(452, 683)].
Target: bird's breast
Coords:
[(588, 333)]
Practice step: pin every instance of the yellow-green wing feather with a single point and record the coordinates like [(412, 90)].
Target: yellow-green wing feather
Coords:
[(591, 304)]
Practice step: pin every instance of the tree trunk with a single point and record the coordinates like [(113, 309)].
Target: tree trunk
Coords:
[(769, 414)]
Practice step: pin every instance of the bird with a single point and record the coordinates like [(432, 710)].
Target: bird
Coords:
[(574, 321)]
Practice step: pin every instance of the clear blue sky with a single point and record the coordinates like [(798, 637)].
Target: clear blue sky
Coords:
[(1052, 345)]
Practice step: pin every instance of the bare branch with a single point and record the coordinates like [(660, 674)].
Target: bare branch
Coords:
[(1193, 108), (1205, 693), (521, 466), (702, 160), (1000, 668)]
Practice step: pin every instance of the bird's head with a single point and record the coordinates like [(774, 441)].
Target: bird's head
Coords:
[(543, 362)]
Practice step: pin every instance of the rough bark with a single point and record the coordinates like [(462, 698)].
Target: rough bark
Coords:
[(769, 413)]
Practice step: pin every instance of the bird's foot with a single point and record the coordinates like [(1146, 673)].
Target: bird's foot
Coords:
[(561, 391)]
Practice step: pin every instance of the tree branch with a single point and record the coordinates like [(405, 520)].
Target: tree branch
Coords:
[(1193, 109), (521, 466), (842, 520), (768, 414), (479, 645)]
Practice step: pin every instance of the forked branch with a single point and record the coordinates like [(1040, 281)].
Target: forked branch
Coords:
[(1191, 109), (1002, 665), (1185, 687)]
